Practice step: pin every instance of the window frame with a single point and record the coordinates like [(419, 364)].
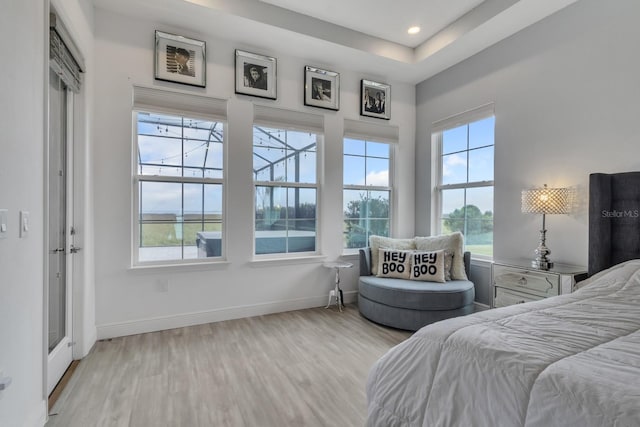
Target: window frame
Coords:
[(368, 188), (438, 129), (137, 179), (279, 125)]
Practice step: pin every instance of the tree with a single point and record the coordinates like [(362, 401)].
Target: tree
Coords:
[(365, 217), (477, 223)]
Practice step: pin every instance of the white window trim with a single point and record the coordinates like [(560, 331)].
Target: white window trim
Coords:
[(296, 121), (374, 132), (179, 104), (437, 129), (469, 116)]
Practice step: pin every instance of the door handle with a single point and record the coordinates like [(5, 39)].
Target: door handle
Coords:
[(74, 250)]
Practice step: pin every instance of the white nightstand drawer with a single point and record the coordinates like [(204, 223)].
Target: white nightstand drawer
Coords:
[(534, 282), (506, 297), (515, 282)]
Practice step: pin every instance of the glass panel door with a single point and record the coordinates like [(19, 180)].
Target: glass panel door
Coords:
[(59, 295)]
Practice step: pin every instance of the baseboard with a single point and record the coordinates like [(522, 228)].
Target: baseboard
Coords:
[(39, 416), (140, 326), (480, 307), (85, 344)]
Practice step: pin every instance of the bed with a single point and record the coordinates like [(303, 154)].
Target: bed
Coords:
[(571, 360)]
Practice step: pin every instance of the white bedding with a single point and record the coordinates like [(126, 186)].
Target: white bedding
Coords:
[(572, 360)]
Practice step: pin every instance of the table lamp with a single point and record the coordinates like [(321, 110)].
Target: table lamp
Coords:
[(545, 201)]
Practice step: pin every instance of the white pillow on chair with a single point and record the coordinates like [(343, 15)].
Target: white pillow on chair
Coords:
[(454, 243), (428, 266), (394, 263), (378, 242)]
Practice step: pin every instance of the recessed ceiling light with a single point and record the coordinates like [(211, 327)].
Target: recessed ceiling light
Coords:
[(413, 30)]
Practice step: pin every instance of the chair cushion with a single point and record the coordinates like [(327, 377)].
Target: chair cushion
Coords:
[(417, 295)]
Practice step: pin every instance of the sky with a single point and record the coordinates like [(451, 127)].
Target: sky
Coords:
[(170, 146), (476, 164)]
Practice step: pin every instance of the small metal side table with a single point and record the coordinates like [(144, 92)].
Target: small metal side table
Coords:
[(337, 292)]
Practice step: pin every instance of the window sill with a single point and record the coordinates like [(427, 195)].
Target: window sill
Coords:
[(350, 255), (481, 261), (193, 266), (306, 259)]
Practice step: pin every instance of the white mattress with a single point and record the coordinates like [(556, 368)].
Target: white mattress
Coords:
[(571, 360)]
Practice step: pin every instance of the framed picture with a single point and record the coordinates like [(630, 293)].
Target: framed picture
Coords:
[(180, 60), (376, 99), (255, 75), (321, 88)]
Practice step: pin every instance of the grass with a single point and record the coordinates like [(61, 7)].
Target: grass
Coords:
[(168, 234), (486, 250)]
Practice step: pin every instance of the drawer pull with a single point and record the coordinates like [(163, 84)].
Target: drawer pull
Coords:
[(522, 281), (550, 284)]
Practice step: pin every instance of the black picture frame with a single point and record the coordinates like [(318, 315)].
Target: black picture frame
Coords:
[(321, 88), (375, 99), (256, 75), (179, 59)]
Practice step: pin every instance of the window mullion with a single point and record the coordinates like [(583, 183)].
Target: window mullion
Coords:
[(467, 153), (285, 184), (464, 206), (182, 156), (474, 184), (366, 188), (178, 179), (182, 220)]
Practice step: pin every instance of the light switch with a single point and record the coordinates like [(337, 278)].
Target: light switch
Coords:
[(24, 223), (4, 226)]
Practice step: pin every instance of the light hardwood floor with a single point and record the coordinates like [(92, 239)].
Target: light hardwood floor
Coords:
[(300, 368)]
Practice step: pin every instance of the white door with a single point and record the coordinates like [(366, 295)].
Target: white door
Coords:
[(60, 246)]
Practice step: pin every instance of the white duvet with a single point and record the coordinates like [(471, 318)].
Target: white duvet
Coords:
[(572, 360)]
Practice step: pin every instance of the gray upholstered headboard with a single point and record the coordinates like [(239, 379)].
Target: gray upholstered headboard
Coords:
[(614, 219)]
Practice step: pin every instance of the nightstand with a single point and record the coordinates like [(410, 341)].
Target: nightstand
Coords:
[(516, 282)]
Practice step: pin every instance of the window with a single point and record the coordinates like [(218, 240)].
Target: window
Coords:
[(367, 191), (286, 190), (179, 186), (464, 191)]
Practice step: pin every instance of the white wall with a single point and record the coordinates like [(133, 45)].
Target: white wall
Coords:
[(566, 102), (22, 118), (129, 301), (77, 16), (21, 188)]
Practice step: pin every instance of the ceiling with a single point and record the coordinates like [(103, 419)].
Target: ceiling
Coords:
[(368, 36), (383, 18)]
